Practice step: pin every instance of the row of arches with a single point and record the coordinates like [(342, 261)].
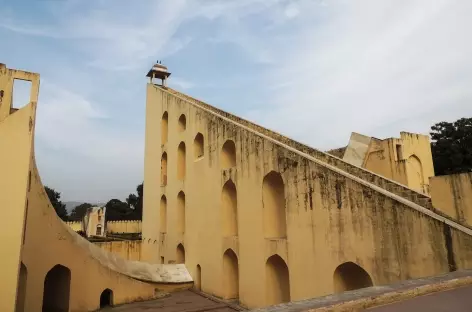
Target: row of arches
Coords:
[(181, 126), (273, 202), (180, 226), (56, 292), (228, 157), (347, 276), (181, 163)]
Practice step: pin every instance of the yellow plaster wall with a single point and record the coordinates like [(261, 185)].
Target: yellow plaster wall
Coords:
[(35, 240), (75, 225), (15, 152), (129, 250), (131, 226), (331, 218), (452, 194), (383, 158)]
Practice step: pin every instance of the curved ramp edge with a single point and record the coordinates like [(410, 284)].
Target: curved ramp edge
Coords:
[(46, 242)]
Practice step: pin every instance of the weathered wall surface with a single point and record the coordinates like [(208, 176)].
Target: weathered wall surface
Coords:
[(407, 160), (15, 152), (74, 225), (131, 226), (330, 217), (452, 194), (46, 265), (357, 149), (129, 250)]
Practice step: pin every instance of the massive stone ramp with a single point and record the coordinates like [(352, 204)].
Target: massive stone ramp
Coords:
[(373, 178), (390, 188), (45, 265), (330, 217)]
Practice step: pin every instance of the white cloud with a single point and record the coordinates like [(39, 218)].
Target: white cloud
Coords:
[(377, 67)]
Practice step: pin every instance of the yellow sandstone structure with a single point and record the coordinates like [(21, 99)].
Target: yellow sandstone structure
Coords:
[(262, 219), (46, 266), (406, 160), (234, 209)]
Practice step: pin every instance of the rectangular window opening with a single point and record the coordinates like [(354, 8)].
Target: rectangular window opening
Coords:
[(21, 93), (399, 152)]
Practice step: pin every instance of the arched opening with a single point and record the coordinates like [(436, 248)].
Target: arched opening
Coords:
[(228, 155), (99, 230), (56, 290), (230, 275), (415, 173), (164, 128), (230, 209), (21, 290), (181, 212), (277, 281), (181, 161), (106, 298), (273, 201), (350, 276), (198, 146), (180, 254), (164, 169), (198, 278), (182, 123), (163, 215)]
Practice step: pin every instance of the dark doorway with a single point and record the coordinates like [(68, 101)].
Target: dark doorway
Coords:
[(57, 290), (106, 298)]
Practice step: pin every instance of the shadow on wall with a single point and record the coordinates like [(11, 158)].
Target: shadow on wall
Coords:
[(106, 298), (57, 290), (277, 281), (231, 275), (350, 276)]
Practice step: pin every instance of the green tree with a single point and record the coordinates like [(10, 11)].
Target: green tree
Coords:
[(452, 146), (79, 211), (118, 210), (137, 202), (54, 198)]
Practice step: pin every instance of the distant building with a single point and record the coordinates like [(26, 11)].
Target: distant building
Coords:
[(406, 160), (93, 223)]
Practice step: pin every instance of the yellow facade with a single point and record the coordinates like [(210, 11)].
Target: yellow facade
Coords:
[(264, 219), (126, 249), (131, 226), (452, 194), (45, 265), (406, 160)]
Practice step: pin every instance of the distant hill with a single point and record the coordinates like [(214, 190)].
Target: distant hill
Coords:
[(70, 205)]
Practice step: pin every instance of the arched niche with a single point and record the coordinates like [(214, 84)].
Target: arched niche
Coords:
[(181, 212), (228, 155), (198, 278), (21, 290), (56, 289), (229, 205), (181, 165), (163, 214), (164, 169), (164, 128), (350, 276), (182, 124), (230, 275), (273, 202), (106, 298), (180, 254), (198, 146), (277, 281), (415, 173)]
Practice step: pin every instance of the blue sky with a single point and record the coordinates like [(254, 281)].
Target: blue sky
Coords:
[(315, 70)]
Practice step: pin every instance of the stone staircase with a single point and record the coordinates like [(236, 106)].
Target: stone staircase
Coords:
[(389, 185)]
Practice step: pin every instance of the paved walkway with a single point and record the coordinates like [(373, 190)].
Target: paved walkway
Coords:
[(457, 300), (184, 301)]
